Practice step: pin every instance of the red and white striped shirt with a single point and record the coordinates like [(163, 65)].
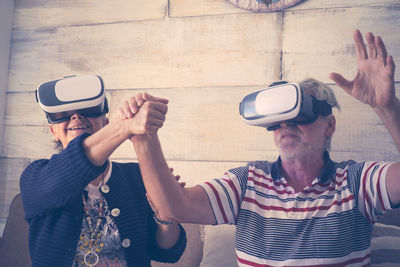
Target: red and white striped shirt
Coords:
[(328, 223)]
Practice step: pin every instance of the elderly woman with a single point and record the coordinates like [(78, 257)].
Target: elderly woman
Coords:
[(82, 209)]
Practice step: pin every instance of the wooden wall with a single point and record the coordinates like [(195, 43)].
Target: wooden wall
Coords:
[(204, 56)]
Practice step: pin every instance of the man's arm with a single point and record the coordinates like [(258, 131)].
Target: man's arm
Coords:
[(172, 201), (374, 85)]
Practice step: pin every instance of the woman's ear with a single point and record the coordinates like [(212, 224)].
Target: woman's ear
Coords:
[(54, 133)]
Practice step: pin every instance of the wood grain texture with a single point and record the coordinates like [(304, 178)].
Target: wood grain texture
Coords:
[(48, 13), (312, 48), (204, 56), (334, 4), (190, 8), (203, 124), (10, 172), (210, 51)]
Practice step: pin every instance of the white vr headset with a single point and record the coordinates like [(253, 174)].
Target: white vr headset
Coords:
[(282, 102), (62, 98)]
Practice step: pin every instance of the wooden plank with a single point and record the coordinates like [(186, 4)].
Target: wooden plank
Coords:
[(311, 49), (198, 126), (190, 8), (206, 51), (204, 124), (22, 109), (10, 172), (48, 13), (308, 4), (27, 142)]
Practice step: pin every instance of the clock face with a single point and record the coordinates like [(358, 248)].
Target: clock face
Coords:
[(263, 5)]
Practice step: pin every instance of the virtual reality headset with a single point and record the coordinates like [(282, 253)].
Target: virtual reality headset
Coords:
[(62, 98), (282, 102)]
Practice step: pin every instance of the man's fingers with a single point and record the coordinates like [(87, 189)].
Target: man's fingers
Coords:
[(139, 99), (341, 82), (381, 49), (361, 50), (148, 97), (371, 46), (157, 106), (391, 65)]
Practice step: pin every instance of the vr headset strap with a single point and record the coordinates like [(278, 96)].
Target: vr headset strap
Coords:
[(321, 107)]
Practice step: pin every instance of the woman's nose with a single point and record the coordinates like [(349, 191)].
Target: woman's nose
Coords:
[(76, 116)]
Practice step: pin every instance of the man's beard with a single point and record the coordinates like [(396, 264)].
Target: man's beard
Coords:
[(298, 148)]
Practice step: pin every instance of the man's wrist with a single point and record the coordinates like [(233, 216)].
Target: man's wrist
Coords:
[(161, 222)]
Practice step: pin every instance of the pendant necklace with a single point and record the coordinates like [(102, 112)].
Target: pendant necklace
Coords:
[(94, 247)]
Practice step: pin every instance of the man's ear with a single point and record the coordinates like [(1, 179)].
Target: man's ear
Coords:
[(331, 125), (54, 133)]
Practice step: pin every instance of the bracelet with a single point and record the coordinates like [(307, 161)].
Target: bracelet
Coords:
[(161, 222)]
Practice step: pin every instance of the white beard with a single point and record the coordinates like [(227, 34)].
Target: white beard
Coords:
[(300, 149)]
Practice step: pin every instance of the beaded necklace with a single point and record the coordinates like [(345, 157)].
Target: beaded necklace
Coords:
[(94, 246)]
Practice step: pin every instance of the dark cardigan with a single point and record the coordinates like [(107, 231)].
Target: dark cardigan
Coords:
[(51, 192)]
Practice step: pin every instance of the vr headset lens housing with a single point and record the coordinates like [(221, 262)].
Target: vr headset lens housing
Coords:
[(60, 99), (92, 112), (281, 103)]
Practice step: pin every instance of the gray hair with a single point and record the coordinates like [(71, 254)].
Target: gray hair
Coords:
[(58, 146), (322, 92)]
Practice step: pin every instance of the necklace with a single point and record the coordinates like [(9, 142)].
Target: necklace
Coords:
[(93, 246)]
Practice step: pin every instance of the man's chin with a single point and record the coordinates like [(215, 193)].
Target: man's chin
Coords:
[(291, 152)]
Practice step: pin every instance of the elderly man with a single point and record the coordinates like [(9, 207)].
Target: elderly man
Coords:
[(82, 209), (303, 209)]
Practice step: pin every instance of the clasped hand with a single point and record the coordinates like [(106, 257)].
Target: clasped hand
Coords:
[(144, 113)]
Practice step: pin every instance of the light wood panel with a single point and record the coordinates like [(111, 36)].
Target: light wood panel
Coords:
[(204, 124), (49, 13), (317, 42), (210, 51), (10, 172), (183, 8)]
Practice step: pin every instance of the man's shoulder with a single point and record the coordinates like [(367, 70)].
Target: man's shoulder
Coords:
[(260, 164), (348, 164)]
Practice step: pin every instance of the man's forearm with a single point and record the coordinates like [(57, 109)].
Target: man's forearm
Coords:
[(165, 192), (391, 119)]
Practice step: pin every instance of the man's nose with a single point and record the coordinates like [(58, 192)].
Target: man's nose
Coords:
[(287, 124)]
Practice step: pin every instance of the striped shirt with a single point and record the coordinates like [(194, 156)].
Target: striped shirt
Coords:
[(328, 223)]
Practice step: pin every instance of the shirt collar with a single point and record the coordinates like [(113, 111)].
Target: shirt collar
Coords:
[(323, 177)]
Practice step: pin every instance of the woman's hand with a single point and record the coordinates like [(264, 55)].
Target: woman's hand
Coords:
[(145, 113)]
